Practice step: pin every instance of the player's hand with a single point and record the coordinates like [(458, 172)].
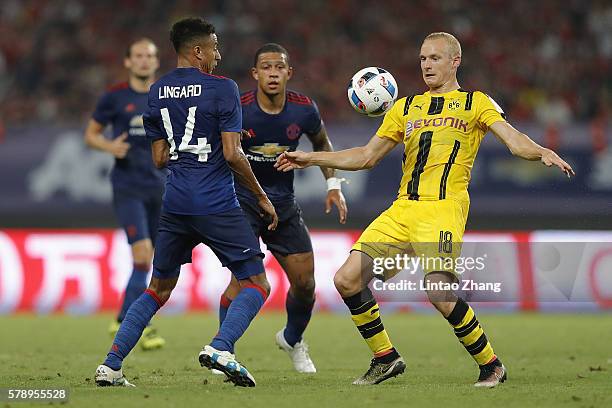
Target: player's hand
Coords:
[(550, 158), (268, 212), (245, 135), (118, 147), (288, 161), (337, 198)]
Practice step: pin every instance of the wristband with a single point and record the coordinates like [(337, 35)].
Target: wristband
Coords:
[(335, 183)]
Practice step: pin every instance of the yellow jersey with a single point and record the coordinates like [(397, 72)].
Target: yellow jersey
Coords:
[(441, 135)]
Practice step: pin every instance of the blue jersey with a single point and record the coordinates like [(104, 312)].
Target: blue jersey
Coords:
[(272, 135), (190, 109), (122, 108)]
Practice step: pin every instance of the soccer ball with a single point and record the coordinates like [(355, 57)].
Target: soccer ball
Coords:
[(372, 91)]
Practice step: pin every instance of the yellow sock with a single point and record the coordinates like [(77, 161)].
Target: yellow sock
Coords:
[(366, 316), (470, 333)]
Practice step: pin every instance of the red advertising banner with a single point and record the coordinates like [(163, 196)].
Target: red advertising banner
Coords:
[(85, 271)]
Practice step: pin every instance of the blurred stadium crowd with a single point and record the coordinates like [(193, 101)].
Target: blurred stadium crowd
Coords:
[(547, 61)]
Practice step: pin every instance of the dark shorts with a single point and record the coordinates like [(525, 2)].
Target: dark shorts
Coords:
[(138, 212), (291, 235), (228, 235)]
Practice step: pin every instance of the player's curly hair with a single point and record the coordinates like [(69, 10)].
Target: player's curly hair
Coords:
[(183, 32)]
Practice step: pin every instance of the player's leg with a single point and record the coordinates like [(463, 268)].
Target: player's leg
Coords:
[(150, 339), (254, 290), (132, 215), (443, 221), (174, 248), (258, 225), (299, 304), (229, 294), (138, 316), (382, 238), (301, 294), (136, 320), (290, 243), (351, 281), (468, 330), (142, 255), (236, 246)]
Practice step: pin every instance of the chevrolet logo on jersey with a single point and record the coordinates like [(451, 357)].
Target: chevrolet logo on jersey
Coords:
[(269, 150), (136, 126), (136, 121)]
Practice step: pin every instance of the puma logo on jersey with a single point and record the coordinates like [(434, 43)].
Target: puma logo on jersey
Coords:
[(419, 106)]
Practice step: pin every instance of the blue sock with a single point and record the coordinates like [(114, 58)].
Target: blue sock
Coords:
[(224, 304), (136, 319), (298, 316), (240, 313), (136, 285)]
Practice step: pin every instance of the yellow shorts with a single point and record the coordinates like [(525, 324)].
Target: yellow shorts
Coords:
[(432, 230)]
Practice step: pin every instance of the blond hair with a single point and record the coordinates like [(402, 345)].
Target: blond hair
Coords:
[(454, 47)]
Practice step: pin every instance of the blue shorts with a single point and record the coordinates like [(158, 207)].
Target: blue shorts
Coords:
[(228, 235), (291, 236), (138, 212)]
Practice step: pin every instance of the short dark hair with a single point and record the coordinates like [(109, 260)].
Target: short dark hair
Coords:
[(128, 50), (270, 47), (186, 30)]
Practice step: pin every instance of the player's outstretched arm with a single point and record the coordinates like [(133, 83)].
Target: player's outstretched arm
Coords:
[(522, 146), (232, 151), (321, 143), (94, 138), (357, 158)]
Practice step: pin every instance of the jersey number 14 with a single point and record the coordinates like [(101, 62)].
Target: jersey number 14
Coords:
[(201, 149)]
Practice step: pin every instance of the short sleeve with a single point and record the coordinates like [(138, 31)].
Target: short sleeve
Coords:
[(152, 119), (105, 109), (313, 123), (230, 110), (488, 111), (392, 127)]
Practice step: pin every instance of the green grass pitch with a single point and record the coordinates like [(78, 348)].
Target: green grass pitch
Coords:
[(553, 360)]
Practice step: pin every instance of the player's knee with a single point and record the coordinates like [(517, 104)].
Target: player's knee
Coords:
[(162, 289), (143, 259), (303, 288), (142, 254), (142, 266), (444, 307), (233, 286), (251, 272), (345, 284), (442, 300), (259, 280), (163, 295), (163, 282)]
